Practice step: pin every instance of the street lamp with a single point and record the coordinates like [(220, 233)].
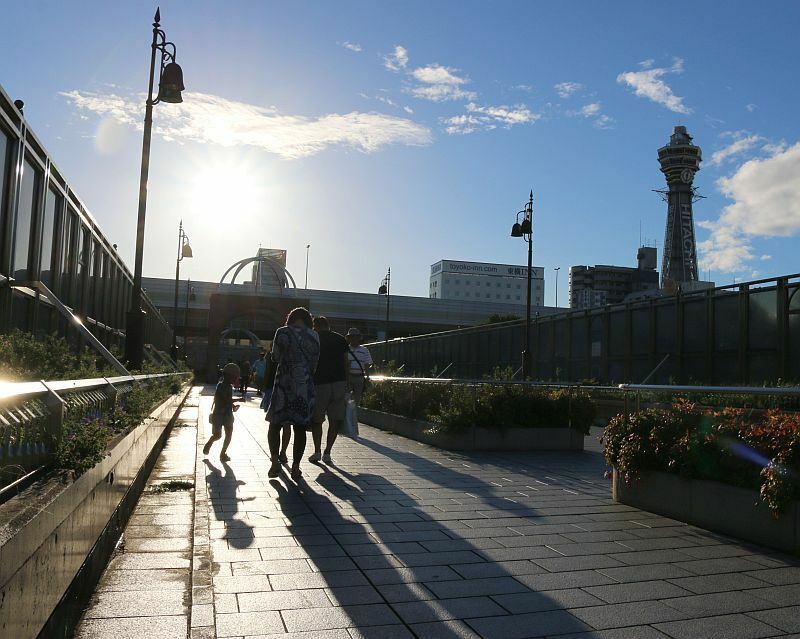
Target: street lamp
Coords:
[(383, 289), (557, 269), (308, 246), (170, 85), (184, 250), (524, 230), (190, 295)]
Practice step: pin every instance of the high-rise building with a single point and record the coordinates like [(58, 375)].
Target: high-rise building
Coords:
[(486, 282), (602, 284), (679, 160)]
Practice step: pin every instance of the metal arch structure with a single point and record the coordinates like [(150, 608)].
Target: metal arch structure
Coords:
[(283, 276), (250, 334)]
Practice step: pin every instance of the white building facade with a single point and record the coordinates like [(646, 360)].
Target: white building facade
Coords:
[(485, 282)]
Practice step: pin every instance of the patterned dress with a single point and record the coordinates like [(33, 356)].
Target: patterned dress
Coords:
[(296, 351)]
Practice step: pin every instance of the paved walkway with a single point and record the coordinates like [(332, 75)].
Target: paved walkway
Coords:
[(398, 539)]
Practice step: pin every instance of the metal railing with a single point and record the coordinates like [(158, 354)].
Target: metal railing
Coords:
[(624, 397), (32, 416)]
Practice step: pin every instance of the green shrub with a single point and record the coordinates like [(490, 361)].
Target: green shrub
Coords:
[(24, 357), (457, 407), (759, 450), (82, 445)]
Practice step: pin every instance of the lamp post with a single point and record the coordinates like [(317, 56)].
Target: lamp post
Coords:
[(383, 289), (308, 246), (524, 230), (189, 296), (170, 85), (557, 269), (184, 250)]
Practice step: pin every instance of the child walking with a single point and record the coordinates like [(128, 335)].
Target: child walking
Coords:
[(222, 410)]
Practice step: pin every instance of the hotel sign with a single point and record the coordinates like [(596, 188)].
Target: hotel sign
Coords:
[(484, 268)]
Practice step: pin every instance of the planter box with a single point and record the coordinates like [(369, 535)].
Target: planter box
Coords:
[(726, 509), (476, 438), (48, 532)]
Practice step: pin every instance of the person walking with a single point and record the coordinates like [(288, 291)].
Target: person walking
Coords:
[(295, 349), (244, 377), (269, 385), (222, 410), (330, 387), (360, 362), (259, 371)]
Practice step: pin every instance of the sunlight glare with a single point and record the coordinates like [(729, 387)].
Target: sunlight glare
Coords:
[(228, 190)]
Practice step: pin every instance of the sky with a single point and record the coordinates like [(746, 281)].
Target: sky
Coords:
[(395, 134)]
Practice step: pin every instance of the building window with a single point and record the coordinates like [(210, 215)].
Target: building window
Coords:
[(497, 296), (508, 297), (488, 295), (25, 213), (517, 296)]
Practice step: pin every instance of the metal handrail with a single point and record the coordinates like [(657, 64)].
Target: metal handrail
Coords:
[(621, 388), (32, 390)]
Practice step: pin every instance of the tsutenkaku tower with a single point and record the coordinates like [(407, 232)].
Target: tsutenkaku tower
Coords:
[(680, 160)]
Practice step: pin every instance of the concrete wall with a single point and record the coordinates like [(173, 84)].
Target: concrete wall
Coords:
[(47, 532), (475, 439), (726, 509)]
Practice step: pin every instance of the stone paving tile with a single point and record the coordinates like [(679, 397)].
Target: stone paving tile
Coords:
[(722, 627), (536, 624), (156, 580), (497, 569), (778, 576), (352, 595), (282, 600), (397, 593), (136, 603), (718, 603), (787, 619), (714, 566), (570, 579), (248, 623), (444, 630), (475, 587), (446, 609), (627, 614), (638, 591), (174, 627), (718, 583), (788, 595), (633, 632), (547, 600), (338, 617), (318, 580), (645, 573)]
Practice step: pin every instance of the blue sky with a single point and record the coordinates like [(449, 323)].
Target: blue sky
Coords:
[(394, 134)]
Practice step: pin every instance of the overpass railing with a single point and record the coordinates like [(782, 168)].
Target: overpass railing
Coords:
[(32, 417)]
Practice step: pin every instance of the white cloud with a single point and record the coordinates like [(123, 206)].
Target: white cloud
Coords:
[(398, 60), (648, 84), (766, 203), (741, 144), (591, 109), (765, 258), (566, 89), (353, 46), (408, 109), (439, 84), (489, 117), (751, 107), (211, 119)]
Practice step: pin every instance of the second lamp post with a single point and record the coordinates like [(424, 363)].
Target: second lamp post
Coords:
[(383, 289), (524, 230), (184, 250)]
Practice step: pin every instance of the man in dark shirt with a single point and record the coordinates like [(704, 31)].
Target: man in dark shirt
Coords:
[(330, 386)]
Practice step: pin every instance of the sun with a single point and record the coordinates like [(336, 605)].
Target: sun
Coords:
[(226, 190)]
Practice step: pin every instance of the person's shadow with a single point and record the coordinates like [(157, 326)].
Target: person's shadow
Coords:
[(222, 492)]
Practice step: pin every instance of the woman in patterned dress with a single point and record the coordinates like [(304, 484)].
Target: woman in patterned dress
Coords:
[(295, 349)]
